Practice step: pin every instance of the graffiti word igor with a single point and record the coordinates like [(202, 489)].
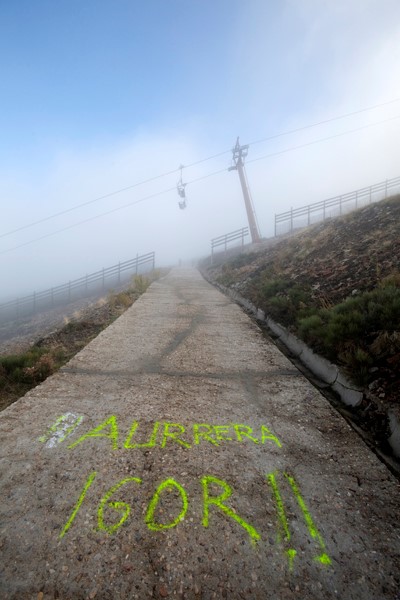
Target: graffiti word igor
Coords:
[(112, 513)]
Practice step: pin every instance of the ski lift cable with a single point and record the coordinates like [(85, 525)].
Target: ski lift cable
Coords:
[(203, 177), (330, 137), (211, 157), (297, 129), (108, 212), (104, 196)]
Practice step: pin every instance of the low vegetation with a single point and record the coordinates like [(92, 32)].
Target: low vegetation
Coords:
[(20, 372), (336, 285), (360, 333), (363, 331)]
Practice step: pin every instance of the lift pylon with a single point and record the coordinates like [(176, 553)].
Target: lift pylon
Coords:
[(239, 154)]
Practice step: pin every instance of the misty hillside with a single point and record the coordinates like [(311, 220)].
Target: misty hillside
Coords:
[(335, 257), (336, 285)]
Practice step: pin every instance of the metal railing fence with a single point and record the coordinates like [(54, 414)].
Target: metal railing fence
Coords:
[(73, 290), (224, 240), (319, 211)]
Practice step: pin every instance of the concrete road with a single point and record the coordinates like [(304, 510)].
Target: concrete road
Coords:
[(180, 454)]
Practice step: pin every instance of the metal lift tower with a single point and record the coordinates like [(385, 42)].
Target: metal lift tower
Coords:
[(239, 154)]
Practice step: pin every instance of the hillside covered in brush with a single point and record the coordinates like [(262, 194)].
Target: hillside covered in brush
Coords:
[(336, 285)]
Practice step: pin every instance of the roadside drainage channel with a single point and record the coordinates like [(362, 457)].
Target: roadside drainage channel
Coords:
[(327, 376)]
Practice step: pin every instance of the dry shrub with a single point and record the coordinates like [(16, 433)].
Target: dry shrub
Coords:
[(123, 299), (44, 367)]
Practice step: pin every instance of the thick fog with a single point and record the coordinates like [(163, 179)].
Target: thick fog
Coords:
[(239, 69)]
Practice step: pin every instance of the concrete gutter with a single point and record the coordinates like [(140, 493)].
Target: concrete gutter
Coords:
[(325, 372), (394, 440)]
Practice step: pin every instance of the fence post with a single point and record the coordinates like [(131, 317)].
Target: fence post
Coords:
[(387, 184)]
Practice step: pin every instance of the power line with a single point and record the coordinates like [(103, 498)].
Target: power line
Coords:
[(162, 175), (212, 174)]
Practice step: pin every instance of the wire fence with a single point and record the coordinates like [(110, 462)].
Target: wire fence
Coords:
[(332, 207), (79, 288)]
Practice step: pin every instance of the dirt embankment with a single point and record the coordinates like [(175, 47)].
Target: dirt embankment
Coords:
[(337, 286)]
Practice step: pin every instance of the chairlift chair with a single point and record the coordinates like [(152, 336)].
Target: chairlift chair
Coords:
[(181, 191)]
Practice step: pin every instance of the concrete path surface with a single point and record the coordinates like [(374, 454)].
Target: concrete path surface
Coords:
[(180, 454)]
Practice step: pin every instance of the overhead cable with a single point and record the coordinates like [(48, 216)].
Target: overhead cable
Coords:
[(330, 137), (108, 212), (160, 176), (129, 187), (129, 204), (350, 114)]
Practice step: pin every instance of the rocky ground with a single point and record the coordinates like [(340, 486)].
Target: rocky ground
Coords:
[(336, 257)]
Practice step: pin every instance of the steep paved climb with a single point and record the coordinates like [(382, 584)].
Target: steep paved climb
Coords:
[(180, 454)]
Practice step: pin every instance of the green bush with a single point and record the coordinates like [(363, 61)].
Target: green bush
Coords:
[(358, 331), (311, 329), (272, 287), (31, 366), (283, 299)]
